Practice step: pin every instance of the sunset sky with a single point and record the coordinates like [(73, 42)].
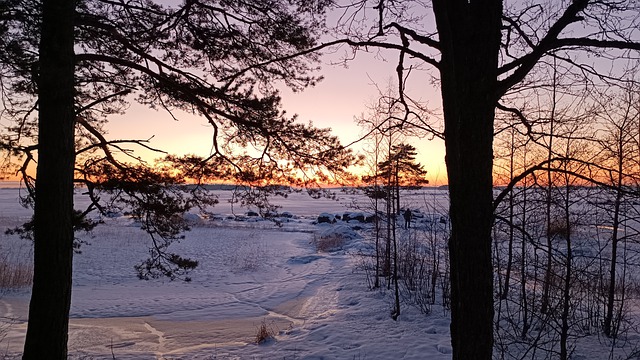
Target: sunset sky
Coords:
[(333, 103)]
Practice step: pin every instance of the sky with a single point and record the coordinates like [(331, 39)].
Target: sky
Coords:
[(333, 103)]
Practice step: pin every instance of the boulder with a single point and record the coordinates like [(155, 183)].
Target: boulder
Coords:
[(192, 219), (326, 218)]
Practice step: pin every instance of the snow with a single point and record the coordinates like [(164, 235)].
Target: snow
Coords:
[(250, 271), (342, 231), (253, 271)]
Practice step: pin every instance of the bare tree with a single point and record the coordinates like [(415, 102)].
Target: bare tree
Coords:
[(481, 51), (619, 116)]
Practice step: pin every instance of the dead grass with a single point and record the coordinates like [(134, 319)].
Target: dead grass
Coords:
[(559, 229), (14, 275), (265, 332), (248, 256), (328, 243)]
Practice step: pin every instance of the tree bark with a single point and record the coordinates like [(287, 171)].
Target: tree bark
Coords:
[(47, 330), (469, 34)]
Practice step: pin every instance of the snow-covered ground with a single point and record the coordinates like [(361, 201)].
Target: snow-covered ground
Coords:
[(250, 272), (254, 272)]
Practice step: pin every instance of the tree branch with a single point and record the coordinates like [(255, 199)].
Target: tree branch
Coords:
[(523, 65)]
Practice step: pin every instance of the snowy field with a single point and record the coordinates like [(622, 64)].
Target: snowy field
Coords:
[(250, 272), (318, 304)]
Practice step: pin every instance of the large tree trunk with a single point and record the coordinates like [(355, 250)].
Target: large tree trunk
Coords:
[(469, 34), (53, 232)]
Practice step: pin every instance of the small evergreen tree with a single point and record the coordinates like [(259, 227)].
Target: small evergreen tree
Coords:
[(402, 170)]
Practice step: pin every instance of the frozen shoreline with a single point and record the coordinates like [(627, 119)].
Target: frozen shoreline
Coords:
[(319, 303), (250, 271)]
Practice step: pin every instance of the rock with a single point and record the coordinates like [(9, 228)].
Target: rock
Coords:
[(192, 219), (286, 214), (371, 218), (326, 218), (358, 217)]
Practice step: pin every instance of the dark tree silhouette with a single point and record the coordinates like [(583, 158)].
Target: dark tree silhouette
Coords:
[(618, 143), (402, 169), (216, 60), (53, 212), (483, 51)]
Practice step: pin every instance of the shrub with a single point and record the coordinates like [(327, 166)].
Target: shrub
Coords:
[(5, 325), (333, 238)]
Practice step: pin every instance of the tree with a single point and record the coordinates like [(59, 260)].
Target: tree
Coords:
[(377, 133), (53, 212), (216, 60), (483, 52), (387, 127), (619, 117), (401, 168), (394, 170)]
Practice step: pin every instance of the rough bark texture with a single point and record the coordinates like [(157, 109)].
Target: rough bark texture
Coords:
[(53, 233), (469, 33)]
